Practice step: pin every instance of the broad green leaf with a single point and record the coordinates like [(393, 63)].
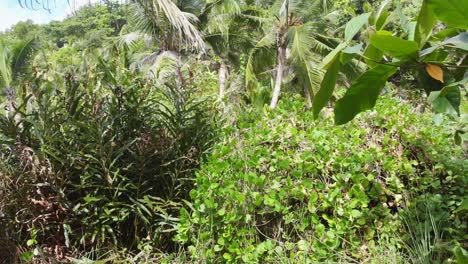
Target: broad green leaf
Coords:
[(452, 12), (412, 30), (363, 93), (446, 101), (354, 25), (396, 47), (425, 24), (332, 55), (460, 41), (373, 55), (326, 87)]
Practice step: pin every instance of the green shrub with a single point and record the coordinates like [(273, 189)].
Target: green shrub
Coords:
[(99, 160), (282, 187)]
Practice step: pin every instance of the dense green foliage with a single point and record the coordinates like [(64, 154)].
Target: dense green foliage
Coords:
[(281, 185), (140, 132), (434, 58), (99, 159)]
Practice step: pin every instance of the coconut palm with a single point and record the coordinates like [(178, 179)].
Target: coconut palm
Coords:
[(228, 27), (156, 10), (291, 43)]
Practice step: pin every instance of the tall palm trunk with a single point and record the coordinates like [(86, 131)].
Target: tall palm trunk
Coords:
[(279, 76), (308, 96), (223, 75)]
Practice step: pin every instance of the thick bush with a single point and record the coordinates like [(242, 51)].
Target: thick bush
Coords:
[(99, 160), (283, 188)]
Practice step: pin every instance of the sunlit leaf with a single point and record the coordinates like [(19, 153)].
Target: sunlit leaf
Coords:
[(452, 12), (425, 24), (396, 47), (354, 25)]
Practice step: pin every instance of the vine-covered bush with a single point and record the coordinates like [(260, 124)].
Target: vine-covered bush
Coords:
[(282, 187)]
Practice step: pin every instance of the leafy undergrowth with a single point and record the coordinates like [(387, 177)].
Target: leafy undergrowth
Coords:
[(98, 162), (283, 188)]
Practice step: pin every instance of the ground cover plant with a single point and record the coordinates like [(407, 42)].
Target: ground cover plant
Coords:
[(281, 185)]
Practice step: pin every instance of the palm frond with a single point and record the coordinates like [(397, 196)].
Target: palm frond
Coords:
[(131, 39), (304, 60), (261, 57), (180, 21), (5, 70), (22, 54)]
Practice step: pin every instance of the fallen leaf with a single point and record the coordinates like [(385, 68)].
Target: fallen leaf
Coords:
[(435, 72)]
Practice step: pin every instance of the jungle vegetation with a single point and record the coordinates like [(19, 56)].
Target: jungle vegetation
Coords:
[(236, 131)]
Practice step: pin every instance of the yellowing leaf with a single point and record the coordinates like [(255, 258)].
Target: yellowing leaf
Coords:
[(435, 72)]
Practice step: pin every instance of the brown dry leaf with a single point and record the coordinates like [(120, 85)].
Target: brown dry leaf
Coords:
[(435, 72)]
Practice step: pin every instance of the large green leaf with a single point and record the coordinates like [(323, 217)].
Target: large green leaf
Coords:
[(425, 24), (326, 87), (363, 93), (372, 55), (354, 25), (332, 55), (452, 12), (396, 47), (447, 101)]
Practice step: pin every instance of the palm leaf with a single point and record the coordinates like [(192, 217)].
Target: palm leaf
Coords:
[(261, 57), (179, 20), (22, 54), (5, 70), (304, 59)]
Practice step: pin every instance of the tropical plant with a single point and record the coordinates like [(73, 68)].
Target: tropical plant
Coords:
[(229, 28), (295, 42), (15, 61), (436, 56), (105, 154), (285, 188)]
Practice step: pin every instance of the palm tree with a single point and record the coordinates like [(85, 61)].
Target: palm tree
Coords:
[(156, 10), (228, 26), (14, 63), (296, 43)]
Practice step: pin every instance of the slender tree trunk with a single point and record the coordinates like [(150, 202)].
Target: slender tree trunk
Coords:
[(279, 77), (308, 96), (223, 75)]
